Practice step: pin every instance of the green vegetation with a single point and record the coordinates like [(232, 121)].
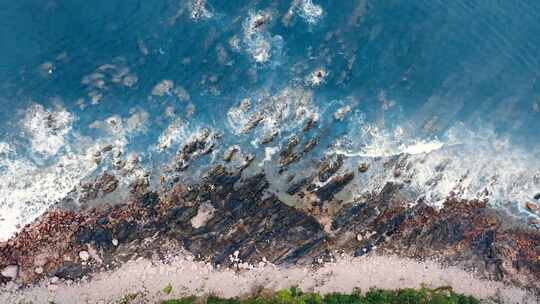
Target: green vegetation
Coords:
[(167, 289), (443, 295)]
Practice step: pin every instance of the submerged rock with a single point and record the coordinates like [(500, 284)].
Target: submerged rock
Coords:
[(334, 186), (299, 184)]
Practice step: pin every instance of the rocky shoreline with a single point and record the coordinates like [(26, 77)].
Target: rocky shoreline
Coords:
[(228, 219)]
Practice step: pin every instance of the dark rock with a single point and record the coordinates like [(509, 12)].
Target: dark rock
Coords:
[(126, 231), (70, 271), (148, 200), (291, 158), (334, 186), (182, 215), (253, 122), (98, 235), (229, 153), (103, 221), (102, 237), (360, 216), (310, 123), (107, 148), (312, 143), (363, 250), (329, 167), (110, 186), (199, 145), (288, 155), (248, 159), (219, 176), (296, 186), (537, 196)]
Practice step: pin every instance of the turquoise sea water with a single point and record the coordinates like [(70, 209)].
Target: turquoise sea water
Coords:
[(453, 84)]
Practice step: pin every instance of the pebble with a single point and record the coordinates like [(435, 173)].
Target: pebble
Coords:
[(11, 271), (363, 168), (532, 207), (84, 255), (537, 196), (38, 270), (41, 260), (115, 242)]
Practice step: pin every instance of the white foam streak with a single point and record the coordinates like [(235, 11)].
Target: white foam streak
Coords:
[(309, 11)]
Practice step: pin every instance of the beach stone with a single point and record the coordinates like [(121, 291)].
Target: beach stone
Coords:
[(363, 167), (84, 255), (11, 271), (38, 270), (532, 207), (41, 259), (115, 242), (537, 196)]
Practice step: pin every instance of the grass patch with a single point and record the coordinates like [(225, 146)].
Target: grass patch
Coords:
[(167, 289), (293, 295)]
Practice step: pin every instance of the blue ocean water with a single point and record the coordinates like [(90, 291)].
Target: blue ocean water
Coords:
[(453, 85)]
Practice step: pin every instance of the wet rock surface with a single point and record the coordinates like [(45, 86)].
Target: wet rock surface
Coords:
[(247, 224)]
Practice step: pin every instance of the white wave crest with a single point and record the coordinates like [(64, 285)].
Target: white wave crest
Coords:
[(309, 12), (465, 164), (47, 128), (27, 190), (286, 110), (258, 41)]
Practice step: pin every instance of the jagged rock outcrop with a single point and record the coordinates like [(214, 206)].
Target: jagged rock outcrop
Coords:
[(247, 224)]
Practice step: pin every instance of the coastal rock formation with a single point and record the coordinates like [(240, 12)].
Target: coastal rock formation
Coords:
[(247, 225)]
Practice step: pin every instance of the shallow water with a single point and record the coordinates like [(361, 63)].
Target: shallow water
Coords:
[(452, 85)]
